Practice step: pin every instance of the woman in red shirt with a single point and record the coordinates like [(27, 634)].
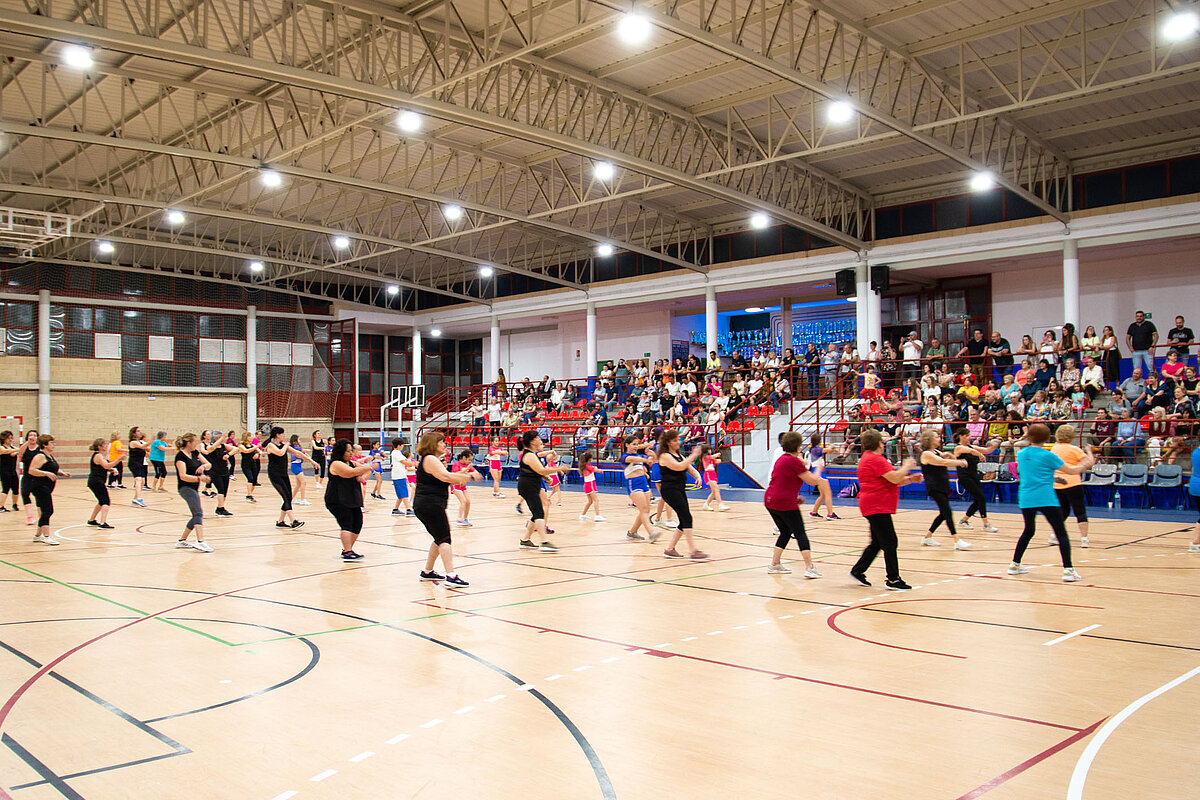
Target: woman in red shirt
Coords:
[(781, 500), (878, 494)]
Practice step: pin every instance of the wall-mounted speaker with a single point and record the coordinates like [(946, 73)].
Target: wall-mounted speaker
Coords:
[(844, 282), (881, 277)]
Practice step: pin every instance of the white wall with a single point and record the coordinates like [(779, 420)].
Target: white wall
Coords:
[(1111, 288)]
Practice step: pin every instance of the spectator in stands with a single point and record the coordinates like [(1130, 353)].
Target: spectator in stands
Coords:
[(738, 362), (977, 426), (888, 366), (782, 390), (1118, 402), (1104, 431), (1092, 378), (975, 351), (848, 365), (1045, 373), (1070, 373), (1129, 438), (754, 386), (1009, 389), (1180, 337), (1060, 408), (937, 352), (713, 367), (1017, 428), (1028, 350), (1111, 358), (912, 348), (1000, 351), (1172, 368), (1069, 346), (1039, 409), (968, 391), (990, 403), (829, 365), (1181, 414), (1090, 344), (557, 398), (1158, 392), (1140, 338), (1191, 385), (872, 356), (1048, 349), (511, 418), (812, 368)]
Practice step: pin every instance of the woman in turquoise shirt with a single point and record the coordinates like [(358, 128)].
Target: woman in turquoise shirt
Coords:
[(158, 460), (1194, 491), (1036, 466)]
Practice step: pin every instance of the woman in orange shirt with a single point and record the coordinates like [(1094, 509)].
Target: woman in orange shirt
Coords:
[(116, 453), (1068, 486)]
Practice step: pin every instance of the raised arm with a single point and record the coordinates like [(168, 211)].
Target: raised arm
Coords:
[(680, 466)]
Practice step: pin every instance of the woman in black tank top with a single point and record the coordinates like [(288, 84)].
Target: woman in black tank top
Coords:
[(675, 470), (937, 485), (318, 456), (43, 473), (29, 448), (429, 504), (99, 469), (217, 453), (343, 495), (10, 482), (968, 478), (530, 472), (277, 471), (139, 448)]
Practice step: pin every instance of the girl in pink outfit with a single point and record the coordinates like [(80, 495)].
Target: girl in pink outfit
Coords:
[(588, 470), (709, 463)]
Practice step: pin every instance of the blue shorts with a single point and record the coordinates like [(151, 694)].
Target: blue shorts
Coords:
[(401, 487), (638, 484), (656, 472), (297, 467)]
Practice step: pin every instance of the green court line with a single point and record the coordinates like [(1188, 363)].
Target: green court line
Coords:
[(632, 585), (116, 603)]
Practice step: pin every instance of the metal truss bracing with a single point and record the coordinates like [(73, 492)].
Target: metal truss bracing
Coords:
[(720, 114)]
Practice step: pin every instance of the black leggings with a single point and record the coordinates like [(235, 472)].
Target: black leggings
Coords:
[(10, 483), (44, 495), (532, 497), (791, 526), (284, 487), (1071, 500), (433, 517), (114, 479), (101, 493), (250, 468), (978, 502), (220, 484), (1054, 516), (349, 519), (677, 500), (883, 538), (319, 470), (26, 489), (945, 512)]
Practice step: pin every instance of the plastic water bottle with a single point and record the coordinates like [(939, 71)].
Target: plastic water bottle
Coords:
[(1117, 500)]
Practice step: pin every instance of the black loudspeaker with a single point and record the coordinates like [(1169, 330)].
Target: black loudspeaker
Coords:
[(843, 279), (881, 277)]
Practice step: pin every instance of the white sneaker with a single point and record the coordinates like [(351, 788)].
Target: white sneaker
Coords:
[(584, 518), (1083, 542), (183, 544), (962, 544), (1070, 575), (707, 507), (463, 523), (600, 519), (778, 569), (48, 539), (929, 541), (203, 547), (671, 523), (1194, 548), (1053, 539), (723, 508), (1016, 569), (965, 524), (303, 503), (990, 528), (811, 572)]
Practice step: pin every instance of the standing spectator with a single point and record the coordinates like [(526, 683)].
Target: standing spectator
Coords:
[(1090, 344), (812, 367), (937, 352), (1048, 349), (1140, 338), (1180, 337), (829, 366), (888, 366), (1000, 352), (1028, 349), (1069, 347), (1112, 356), (975, 352), (913, 349)]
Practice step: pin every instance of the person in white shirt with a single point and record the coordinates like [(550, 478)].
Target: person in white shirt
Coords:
[(556, 397), (672, 386), (1092, 378), (772, 360), (829, 365), (690, 388), (758, 360), (755, 384), (400, 464), (911, 351), (493, 412)]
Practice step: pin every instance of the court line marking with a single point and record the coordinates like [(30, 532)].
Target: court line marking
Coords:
[(1084, 764), (285, 796), (363, 756), (320, 776), (432, 723), (465, 710), (554, 677), (1070, 635), (494, 698), (397, 738)]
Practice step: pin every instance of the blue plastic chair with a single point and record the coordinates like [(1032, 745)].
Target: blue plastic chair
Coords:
[(1133, 478), (1169, 479)]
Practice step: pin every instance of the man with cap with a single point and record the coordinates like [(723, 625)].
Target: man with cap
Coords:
[(911, 347)]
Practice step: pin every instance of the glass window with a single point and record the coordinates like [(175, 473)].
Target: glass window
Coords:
[(208, 375), (956, 303), (133, 321), (133, 373), (20, 342), (21, 315), (80, 344), (159, 322), (134, 283), (79, 278), (185, 374), (186, 348), (235, 327), (909, 308), (211, 326), (134, 347), (185, 324), (235, 376), (162, 373), (79, 318), (108, 320)]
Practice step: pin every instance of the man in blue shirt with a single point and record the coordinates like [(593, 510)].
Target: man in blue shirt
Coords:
[(1129, 438)]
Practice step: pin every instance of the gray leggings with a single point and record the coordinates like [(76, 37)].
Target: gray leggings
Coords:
[(192, 498)]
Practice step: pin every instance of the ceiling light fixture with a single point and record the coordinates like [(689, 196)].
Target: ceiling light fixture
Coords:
[(256, 267), (839, 112), (759, 220), (754, 310), (393, 290), (1181, 25), (78, 57), (435, 332), (452, 213), (605, 250), (104, 246), (341, 242), (175, 217), (634, 28), (408, 121), (486, 271), (270, 178), (603, 170), (983, 181)]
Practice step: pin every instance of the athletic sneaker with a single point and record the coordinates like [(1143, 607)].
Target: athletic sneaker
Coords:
[(548, 547), (549, 530), (105, 526), (671, 523), (1053, 539), (698, 555), (139, 502), (498, 494), (653, 537), (962, 544), (4, 510), (584, 518), (778, 569), (965, 524), (454, 580), (929, 541), (1194, 548), (1083, 542), (518, 508), (990, 528), (1070, 575), (860, 577), (811, 572), (297, 524), (723, 508), (350, 555), (527, 544), (397, 512), (183, 544), (432, 576), (600, 519), (814, 514), (671, 553), (1016, 569), (250, 499), (463, 523), (832, 515), (409, 513), (303, 503), (897, 585), (93, 523), (634, 537), (203, 547), (282, 525), (29, 520), (221, 512)]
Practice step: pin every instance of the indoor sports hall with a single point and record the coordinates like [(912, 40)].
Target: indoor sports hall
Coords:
[(599, 399)]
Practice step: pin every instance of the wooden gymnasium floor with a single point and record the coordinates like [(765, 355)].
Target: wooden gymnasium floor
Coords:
[(269, 669)]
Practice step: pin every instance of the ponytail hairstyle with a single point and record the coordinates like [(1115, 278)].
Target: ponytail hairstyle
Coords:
[(294, 441), (184, 440), (96, 445), (275, 431), (585, 459)]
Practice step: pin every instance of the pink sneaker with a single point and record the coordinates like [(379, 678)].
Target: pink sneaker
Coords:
[(699, 556), (831, 515), (671, 553)]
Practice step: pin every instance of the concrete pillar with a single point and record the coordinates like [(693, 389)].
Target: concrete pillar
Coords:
[(710, 320), (862, 282), (874, 319), (591, 349), (354, 377), (251, 368), (43, 361), (494, 350), (416, 357), (1071, 283), (785, 319)]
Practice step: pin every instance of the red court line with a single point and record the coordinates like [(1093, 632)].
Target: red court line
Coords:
[(1030, 762), (772, 673), (837, 614)]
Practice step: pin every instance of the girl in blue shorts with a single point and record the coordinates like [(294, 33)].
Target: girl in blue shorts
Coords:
[(634, 461)]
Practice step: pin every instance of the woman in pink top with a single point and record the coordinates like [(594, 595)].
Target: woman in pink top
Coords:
[(710, 477), (783, 504), (1172, 368), (588, 470)]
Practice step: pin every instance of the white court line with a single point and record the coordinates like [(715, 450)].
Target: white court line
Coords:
[(1069, 635), (397, 738), (582, 668), (465, 710), (1079, 776), (320, 776), (763, 622), (639, 652), (494, 698), (553, 677), (525, 687), (688, 639), (285, 796), (661, 645), (714, 633), (785, 616), (739, 627), (610, 659), (363, 756), (431, 723)]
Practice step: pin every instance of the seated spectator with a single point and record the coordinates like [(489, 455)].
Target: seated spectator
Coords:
[(930, 386), (738, 362), (1039, 409), (991, 405), (1191, 384), (1128, 439), (1103, 433), (1158, 392), (1017, 428), (1009, 389), (1045, 373), (1119, 404), (1172, 368), (557, 397), (782, 391), (1079, 401), (1182, 413), (1158, 431), (758, 360), (1092, 378), (1060, 408), (773, 360), (977, 426), (1070, 373), (937, 354), (968, 390), (754, 386)]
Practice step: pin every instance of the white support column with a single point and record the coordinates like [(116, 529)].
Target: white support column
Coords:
[(251, 368), (874, 319), (591, 348), (862, 282), (416, 357), (785, 320), (494, 350), (43, 361), (1071, 283), (710, 320), (354, 377)]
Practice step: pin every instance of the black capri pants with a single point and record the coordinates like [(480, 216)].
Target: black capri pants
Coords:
[(945, 512), (319, 457), (351, 519), (160, 469), (1054, 516), (138, 470), (44, 496), (10, 483), (978, 501), (791, 526), (677, 500), (250, 468), (533, 498), (284, 487), (433, 517), (1071, 500), (26, 489), (101, 493), (220, 484)]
